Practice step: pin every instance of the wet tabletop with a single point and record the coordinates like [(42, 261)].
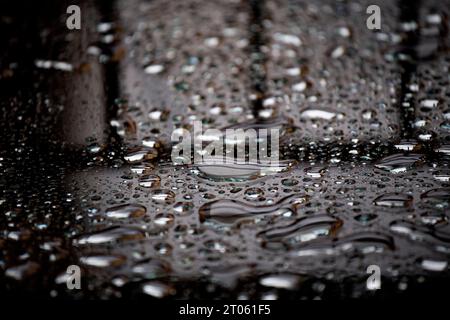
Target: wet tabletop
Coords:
[(87, 176)]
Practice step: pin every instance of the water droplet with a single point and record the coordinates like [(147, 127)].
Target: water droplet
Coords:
[(154, 69), (289, 182), (126, 211), (317, 114), (338, 52), (57, 65), (364, 242), (103, 261), (439, 197), (238, 172), (164, 219), (108, 235), (302, 230), (281, 281), (288, 39), (157, 289), (394, 200), (300, 87), (231, 211), (399, 163), (163, 196), (149, 181), (151, 269), (139, 155), (429, 103), (23, 271), (254, 194), (408, 145), (183, 208), (141, 168), (365, 218), (434, 265), (158, 115)]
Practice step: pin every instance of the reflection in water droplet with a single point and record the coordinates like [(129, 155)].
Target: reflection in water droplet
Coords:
[(439, 197), (442, 175), (139, 155), (429, 103), (163, 219), (235, 172), (408, 145), (398, 163), (154, 69), (440, 239), (151, 269), (393, 200), (157, 289), (434, 219), (151, 142), (289, 182), (434, 265), (444, 149), (183, 208), (315, 172), (142, 168), (231, 211), (365, 218), (301, 230), (112, 234), (126, 211), (149, 181), (103, 261), (281, 281), (363, 242), (254, 194), (163, 196), (23, 271), (317, 114)]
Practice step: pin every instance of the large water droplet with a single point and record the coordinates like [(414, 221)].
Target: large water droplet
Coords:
[(126, 211), (230, 211), (111, 234), (398, 163), (394, 200)]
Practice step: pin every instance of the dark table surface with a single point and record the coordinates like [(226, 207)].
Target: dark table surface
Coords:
[(363, 177)]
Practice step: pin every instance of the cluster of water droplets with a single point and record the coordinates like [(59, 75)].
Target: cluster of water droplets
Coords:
[(348, 191)]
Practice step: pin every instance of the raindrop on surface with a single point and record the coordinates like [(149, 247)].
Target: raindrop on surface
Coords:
[(108, 235), (163, 196), (287, 39), (317, 114), (164, 219), (281, 281), (439, 197), (151, 269), (154, 69), (366, 217), (126, 211), (394, 200), (399, 163), (434, 265), (302, 230), (149, 181), (407, 145), (254, 194), (23, 271), (157, 289), (103, 261), (231, 211), (183, 208), (429, 103), (139, 155)]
